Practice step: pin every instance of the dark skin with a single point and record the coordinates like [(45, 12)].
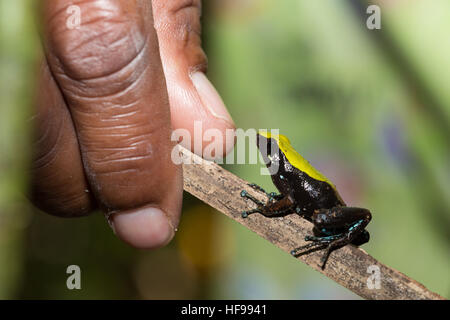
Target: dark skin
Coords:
[(110, 93), (335, 224)]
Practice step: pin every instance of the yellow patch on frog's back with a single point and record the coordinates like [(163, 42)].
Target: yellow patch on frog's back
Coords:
[(295, 159)]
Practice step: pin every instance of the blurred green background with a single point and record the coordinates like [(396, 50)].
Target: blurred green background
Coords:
[(370, 109)]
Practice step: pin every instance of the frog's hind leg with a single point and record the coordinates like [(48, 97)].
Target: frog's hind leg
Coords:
[(353, 232), (307, 248), (317, 243)]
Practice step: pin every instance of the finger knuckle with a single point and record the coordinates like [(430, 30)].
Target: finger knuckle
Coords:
[(180, 21), (108, 38)]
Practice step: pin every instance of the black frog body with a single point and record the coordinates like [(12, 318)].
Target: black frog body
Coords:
[(307, 192)]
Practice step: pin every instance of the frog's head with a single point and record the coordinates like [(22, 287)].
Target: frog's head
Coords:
[(272, 142), (269, 147), (275, 139)]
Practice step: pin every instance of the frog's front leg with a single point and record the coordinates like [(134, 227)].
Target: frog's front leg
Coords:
[(271, 208), (271, 195)]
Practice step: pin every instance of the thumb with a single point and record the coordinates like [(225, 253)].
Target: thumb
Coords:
[(194, 102)]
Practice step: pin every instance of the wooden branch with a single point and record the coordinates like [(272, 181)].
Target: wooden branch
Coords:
[(347, 266)]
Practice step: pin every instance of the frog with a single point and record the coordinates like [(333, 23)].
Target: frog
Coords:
[(305, 191)]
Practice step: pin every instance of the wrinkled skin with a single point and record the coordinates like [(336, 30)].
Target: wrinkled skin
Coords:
[(110, 94)]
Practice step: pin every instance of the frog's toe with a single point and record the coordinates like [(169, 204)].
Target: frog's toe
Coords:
[(244, 214), (323, 262)]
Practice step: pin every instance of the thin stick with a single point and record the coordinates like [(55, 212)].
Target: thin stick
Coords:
[(349, 266)]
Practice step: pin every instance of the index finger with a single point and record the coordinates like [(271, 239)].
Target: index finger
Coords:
[(109, 71)]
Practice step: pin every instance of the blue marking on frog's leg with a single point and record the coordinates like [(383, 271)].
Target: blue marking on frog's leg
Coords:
[(317, 243), (355, 226), (324, 238)]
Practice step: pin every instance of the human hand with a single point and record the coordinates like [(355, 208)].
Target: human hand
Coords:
[(111, 92)]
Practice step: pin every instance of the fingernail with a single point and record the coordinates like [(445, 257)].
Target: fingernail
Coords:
[(210, 97), (143, 228)]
